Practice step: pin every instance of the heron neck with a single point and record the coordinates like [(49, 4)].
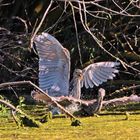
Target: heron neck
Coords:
[(99, 104), (76, 91)]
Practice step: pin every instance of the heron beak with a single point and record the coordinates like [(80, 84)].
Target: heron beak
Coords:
[(81, 76)]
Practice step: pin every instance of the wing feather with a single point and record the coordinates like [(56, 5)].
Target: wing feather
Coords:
[(101, 75), (93, 77), (54, 65), (96, 81), (89, 80), (86, 82), (97, 73)]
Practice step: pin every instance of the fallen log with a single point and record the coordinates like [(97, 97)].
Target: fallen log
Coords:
[(122, 101)]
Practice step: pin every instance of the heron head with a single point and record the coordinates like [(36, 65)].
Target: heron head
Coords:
[(78, 74), (101, 92)]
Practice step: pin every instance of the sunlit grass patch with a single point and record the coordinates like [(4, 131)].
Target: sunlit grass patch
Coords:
[(101, 128)]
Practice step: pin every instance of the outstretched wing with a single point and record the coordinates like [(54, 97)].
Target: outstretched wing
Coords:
[(54, 65), (97, 73)]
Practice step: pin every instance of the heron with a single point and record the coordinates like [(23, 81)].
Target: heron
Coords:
[(73, 105), (54, 70)]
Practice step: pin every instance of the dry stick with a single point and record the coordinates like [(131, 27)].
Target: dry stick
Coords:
[(9, 105), (103, 7), (111, 10), (23, 21), (36, 87), (98, 42), (125, 89), (7, 4), (13, 108), (41, 22), (76, 31), (122, 101)]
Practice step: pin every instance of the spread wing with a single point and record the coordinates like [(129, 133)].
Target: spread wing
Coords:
[(54, 65), (97, 73)]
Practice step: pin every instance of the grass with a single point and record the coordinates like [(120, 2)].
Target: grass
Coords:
[(106, 127)]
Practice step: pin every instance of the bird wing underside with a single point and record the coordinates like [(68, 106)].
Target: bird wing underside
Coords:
[(54, 65), (97, 73)]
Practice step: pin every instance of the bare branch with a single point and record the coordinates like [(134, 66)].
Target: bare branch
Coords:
[(4, 85), (84, 23), (125, 89), (77, 38), (122, 101), (6, 4), (41, 22), (23, 21), (13, 108)]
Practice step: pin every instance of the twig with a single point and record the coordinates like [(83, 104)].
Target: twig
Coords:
[(122, 101), (98, 41), (23, 115), (113, 11), (41, 22), (23, 21), (9, 105), (4, 85), (57, 21), (6, 4), (95, 2), (76, 31), (125, 89)]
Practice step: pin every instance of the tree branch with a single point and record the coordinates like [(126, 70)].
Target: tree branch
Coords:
[(23, 116), (50, 99), (41, 22)]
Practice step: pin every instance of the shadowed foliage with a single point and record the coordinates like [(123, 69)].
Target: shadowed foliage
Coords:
[(115, 24)]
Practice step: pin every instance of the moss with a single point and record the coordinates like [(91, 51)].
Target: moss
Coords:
[(105, 127), (28, 121), (46, 117), (75, 123)]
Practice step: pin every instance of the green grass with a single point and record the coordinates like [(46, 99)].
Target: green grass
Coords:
[(106, 127)]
